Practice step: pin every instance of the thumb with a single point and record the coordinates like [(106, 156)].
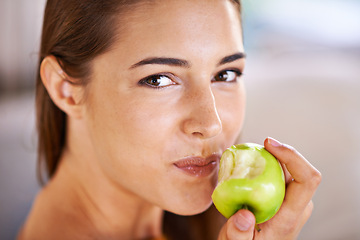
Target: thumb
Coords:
[(239, 227)]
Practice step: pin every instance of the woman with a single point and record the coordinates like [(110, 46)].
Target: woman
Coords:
[(136, 101)]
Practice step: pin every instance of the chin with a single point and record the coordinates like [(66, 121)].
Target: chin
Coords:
[(193, 208), (189, 197)]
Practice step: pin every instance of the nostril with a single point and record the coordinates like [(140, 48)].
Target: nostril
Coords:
[(196, 127), (202, 120), (198, 134)]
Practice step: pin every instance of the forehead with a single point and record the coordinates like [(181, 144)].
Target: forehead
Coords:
[(176, 28)]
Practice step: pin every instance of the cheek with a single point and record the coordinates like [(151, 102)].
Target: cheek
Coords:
[(149, 123), (129, 127), (127, 135)]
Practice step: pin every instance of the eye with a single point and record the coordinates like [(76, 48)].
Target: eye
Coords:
[(157, 81), (227, 76)]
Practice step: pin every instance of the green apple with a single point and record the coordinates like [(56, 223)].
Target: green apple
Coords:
[(249, 178)]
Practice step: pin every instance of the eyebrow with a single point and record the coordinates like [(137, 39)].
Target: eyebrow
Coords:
[(183, 63), (232, 58), (162, 61)]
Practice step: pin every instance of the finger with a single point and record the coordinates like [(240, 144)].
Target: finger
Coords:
[(293, 160), (284, 228), (306, 177), (288, 177), (239, 227), (307, 212)]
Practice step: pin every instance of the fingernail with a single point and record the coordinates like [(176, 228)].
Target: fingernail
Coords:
[(242, 222), (273, 142)]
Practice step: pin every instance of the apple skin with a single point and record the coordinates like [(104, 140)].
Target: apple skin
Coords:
[(262, 194)]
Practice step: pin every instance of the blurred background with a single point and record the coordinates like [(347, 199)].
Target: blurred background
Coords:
[(303, 86)]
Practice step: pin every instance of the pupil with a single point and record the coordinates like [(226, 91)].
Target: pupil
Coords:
[(223, 76), (154, 81)]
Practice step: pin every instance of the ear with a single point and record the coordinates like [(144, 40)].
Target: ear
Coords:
[(65, 94)]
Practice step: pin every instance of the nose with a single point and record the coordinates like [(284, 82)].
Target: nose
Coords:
[(203, 120)]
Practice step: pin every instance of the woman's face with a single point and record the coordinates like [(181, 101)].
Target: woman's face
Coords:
[(168, 98)]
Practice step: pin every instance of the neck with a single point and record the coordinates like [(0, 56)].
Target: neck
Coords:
[(112, 211)]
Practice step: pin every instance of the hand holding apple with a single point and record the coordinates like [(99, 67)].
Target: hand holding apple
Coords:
[(301, 178), (249, 178)]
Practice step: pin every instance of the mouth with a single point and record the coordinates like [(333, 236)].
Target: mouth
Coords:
[(199, 166)]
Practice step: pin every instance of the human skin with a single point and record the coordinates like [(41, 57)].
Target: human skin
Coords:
[(124, 139), (302, 180), (139, 131)]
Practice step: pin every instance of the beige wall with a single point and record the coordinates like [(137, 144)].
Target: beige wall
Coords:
[(303, 88), (20, 24)]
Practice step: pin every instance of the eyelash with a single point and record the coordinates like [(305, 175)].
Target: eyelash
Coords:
[(145, 81), (237, 72)]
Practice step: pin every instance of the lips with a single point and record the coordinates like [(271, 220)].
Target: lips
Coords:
[(198, 166)]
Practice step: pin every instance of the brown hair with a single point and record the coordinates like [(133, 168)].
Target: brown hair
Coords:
[(75, 32)]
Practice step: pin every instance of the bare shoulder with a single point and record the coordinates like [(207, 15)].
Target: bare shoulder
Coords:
[(50, 219), (41, 219)]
